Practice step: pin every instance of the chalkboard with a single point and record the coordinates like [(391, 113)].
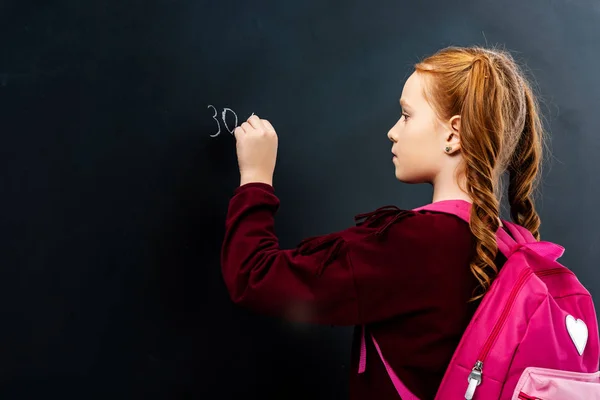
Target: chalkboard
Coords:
[(118, 163)]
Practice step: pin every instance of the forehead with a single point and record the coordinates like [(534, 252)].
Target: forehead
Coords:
[(412, 93)]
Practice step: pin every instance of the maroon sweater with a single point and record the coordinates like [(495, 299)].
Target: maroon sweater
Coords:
[(404, 274)]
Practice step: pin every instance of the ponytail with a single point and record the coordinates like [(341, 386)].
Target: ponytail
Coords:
[(481, 139), (524, 167)]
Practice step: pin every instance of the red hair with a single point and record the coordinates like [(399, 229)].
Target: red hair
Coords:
[(501, 131)]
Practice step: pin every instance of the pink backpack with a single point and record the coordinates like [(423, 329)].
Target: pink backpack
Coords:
[(534, 335)]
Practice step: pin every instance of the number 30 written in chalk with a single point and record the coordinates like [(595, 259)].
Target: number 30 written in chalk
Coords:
[(225, 109)]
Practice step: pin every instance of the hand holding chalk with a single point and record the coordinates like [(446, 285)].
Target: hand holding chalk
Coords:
[(256, 146)]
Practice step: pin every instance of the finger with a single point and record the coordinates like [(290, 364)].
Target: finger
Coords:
[(268, 125), (238, 132), (255, 122), (247, 127)]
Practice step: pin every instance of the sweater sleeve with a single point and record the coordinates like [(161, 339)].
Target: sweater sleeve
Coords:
[(311, 283), (348, 277)]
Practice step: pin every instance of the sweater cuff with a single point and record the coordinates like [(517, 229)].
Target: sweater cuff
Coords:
[(257, 185)]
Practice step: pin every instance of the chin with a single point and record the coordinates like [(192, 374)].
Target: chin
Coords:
[(411, 180), (406, 180)]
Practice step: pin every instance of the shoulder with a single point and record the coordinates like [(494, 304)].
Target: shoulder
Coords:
[(425, 250), (421, 233), (393, 221), (434, 223)]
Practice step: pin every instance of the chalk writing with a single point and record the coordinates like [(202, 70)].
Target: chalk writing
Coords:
[(223, 115)]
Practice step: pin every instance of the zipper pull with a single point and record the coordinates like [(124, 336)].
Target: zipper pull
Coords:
[(474, 380)]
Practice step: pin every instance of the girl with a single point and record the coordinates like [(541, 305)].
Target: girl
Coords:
[(414, 278)]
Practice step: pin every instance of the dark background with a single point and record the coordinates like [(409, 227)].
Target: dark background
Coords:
[(113, 193)]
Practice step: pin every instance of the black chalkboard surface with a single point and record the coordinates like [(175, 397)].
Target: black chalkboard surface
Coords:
[(117, 165)]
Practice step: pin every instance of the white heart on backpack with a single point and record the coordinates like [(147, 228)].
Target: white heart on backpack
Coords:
[(578, 332)]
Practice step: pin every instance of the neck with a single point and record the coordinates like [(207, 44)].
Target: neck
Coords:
[(450, 187)]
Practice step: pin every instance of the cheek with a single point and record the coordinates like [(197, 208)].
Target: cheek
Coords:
[(416, 147), (409, 141), (421, 136)]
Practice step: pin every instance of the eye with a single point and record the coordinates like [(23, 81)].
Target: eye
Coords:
[(406, 116)]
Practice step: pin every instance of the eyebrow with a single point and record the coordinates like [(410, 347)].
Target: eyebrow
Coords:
[(404, 104)]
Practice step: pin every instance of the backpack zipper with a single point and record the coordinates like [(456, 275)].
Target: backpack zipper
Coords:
[(476, 375)]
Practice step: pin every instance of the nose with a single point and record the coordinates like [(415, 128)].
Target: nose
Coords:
[(391, 136)]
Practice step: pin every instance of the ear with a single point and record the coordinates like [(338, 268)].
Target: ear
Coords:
[(452, 139)]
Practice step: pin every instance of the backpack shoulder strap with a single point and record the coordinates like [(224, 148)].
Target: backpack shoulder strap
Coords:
[(403, 391)]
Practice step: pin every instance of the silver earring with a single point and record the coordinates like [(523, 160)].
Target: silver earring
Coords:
[(448, 148)]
